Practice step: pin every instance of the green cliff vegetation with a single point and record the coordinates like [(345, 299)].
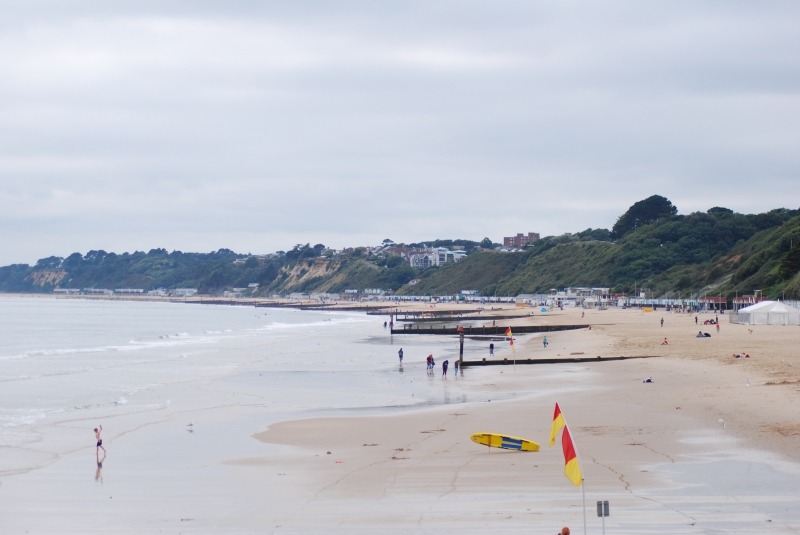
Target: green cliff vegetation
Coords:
[(650, 247), (717, 251)]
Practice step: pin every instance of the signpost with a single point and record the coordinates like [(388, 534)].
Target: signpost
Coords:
[(602, 512)]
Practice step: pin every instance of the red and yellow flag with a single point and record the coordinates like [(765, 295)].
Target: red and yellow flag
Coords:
[(508, 333), (572, 467), (558, 423)]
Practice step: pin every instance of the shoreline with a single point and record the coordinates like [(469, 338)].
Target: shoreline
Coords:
[(641, 443), (627, 456), (413, 467)]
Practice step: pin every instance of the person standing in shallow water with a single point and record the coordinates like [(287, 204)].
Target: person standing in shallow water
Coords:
[(400, 354), (444, 368), (99, 440)]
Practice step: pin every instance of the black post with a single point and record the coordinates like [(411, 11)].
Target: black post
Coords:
[(461, 348)]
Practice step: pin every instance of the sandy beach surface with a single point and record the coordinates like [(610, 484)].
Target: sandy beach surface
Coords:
[(658, 452)]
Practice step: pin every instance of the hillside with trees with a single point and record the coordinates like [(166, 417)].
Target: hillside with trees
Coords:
[(650, 247)]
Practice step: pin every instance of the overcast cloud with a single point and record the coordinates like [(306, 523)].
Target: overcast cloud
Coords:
[(256, 126)]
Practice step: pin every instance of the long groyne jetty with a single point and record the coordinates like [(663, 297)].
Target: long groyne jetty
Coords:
[(565, 360), (468, 330)]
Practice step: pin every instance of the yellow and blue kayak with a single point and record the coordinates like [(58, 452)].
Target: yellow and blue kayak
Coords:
[(506, 442)]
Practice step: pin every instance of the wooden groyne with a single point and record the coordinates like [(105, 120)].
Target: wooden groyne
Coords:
[(484, 331), (511, 362), (323, 306), (462, 318), (422, 313)]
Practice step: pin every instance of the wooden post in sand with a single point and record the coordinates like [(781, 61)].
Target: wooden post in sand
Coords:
[(460, 346)]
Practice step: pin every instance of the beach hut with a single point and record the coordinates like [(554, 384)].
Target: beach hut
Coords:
[(769, 313)]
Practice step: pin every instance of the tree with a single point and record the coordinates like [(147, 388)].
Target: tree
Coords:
[(642, 213), (790, 263), (51, 262), (73, 261), (719, 210), (486, 243)]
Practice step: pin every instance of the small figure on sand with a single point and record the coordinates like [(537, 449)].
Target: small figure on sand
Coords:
[(695, 320), (384, 324), (662, 322), (665, 343), (99, 440), (400, 354), (717, 327), (491, 350), (582, 313), (544, 341), (444, 368), (455, 368)]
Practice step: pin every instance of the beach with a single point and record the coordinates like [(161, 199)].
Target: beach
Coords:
[(255, 458)]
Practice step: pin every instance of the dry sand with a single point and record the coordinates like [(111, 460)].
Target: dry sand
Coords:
[(420, 471)]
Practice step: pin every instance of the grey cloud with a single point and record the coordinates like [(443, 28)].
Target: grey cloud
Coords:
[(255, 126)]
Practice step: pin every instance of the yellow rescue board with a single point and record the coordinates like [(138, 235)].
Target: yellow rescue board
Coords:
[(505, 442)]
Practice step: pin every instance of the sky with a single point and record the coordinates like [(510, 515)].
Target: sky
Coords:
[(259, 125)]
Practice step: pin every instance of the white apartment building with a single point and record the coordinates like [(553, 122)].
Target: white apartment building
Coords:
[(438, 256)]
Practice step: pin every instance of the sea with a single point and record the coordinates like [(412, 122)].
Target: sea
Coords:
[(70, 365)]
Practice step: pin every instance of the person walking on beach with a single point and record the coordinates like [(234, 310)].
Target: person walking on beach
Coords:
[(99, 440), (400, 354), (444, 368), (430, 362), (717, 327), (695, 320), (455, 369), (491, 350), (544, 341), (662, 322)]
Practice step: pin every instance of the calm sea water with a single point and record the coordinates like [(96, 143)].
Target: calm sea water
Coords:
[(67, 364)]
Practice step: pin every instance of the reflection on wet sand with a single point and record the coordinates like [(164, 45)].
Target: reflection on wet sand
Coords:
[(98, 476)]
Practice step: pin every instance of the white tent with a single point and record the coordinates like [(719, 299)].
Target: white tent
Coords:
[(769, 313)]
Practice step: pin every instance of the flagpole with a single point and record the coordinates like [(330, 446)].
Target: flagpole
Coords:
[(583, 491), (578, 456)]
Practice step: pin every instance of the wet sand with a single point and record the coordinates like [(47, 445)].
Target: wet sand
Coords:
[(656, 450)]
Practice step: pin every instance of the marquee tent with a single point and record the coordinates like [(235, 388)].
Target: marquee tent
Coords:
[(769, 313)]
